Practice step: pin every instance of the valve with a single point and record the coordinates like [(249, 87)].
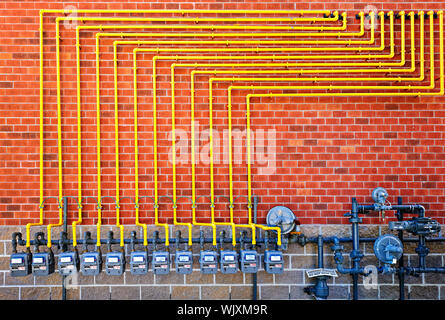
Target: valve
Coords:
[(138, 259), (388, 249), (419, 226), (379, 195)]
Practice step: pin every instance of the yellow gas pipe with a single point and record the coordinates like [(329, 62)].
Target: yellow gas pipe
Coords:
[(41, 13), (98, 119), (189, 225)]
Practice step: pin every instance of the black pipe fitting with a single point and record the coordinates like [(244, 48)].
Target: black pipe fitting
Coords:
[(132, 240)]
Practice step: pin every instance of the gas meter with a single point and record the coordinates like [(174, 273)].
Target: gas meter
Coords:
[(138, 262), (161, 262), (91, 263), (208, 261), (248, 257), (249, 261), (68, 262), (273, 261), (228, 261), (184, 262), (20, 264), (42, 263), (115, 263)]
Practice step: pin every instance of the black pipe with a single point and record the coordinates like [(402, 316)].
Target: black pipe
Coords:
[(254, 275), (320, 290), (401, 263), (355, 253), (65, 230), (91, 241)]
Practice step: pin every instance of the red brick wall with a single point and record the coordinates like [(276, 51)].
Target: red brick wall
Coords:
[(328, 149)]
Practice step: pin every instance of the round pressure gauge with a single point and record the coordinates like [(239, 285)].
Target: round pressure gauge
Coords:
[(282, 217)]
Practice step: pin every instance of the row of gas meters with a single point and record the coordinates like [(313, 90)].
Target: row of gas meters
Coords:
[(90, 263)]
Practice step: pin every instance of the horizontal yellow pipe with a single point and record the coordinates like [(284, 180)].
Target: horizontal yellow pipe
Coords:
[(196, 20), (180, 11)]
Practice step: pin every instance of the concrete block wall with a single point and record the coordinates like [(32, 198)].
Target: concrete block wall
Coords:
[(197, 286)]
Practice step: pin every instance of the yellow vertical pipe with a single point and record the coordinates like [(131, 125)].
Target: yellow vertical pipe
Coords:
[(116, 145), (173, 119), (155, 159), (212, 180), (29, 225), (136, 148), (59, 141), (79, 143), (99, 191), (193, 159)]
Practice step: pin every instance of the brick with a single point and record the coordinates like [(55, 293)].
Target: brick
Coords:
[(389, 292), (184, 293), (297, 293), (71, 294), (338, 292), (95, 293), (36, 293), (155, 293), (125, 293), (215, 292), (277, 292), (240, 292), (147, 278), (9, 293), (289, 277), (423, 292), (229, 278)]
